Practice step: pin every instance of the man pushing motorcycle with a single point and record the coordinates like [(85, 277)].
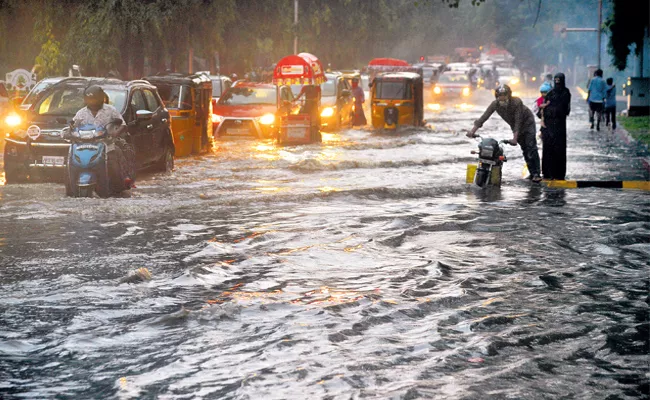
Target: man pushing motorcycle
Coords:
[(522, 122), (99, 113)]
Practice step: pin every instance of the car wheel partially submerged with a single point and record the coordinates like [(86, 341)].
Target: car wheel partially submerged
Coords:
[(166, 163)]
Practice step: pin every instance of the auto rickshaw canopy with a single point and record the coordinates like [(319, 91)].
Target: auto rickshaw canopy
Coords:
[(194, 80), (300, 69), (389, 62)]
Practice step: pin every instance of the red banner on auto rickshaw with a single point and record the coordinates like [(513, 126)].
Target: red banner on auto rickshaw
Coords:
[(300, 69)]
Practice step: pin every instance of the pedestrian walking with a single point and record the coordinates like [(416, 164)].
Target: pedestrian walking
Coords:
[(596, 98), (610, 103), (554, 138)]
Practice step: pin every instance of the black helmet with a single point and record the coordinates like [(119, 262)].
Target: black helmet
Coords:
[(503, 90), (94, 96)]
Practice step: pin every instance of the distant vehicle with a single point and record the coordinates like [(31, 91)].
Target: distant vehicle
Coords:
[(253, 109), (452, 85), (459, 66), (220, 83), (509, 76), (35, 145), (188, 98), (336, 102), (429, 72)]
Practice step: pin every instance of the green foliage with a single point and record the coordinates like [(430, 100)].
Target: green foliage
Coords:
[(127, 35), (50, 59), (627, 25), (638, 127)]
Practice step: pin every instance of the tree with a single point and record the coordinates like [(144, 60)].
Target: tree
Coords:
[(628, 25)]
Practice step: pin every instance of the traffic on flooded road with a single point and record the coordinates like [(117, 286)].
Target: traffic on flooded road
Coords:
[(342, 199), (363, 266)]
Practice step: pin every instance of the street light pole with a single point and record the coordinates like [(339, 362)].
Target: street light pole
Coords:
[(295, 26), (600, 24)]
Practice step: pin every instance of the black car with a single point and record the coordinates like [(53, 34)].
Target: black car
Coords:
[(36, 148)]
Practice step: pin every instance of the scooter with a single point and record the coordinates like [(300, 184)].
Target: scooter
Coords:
[(490, 162), (89, 167)]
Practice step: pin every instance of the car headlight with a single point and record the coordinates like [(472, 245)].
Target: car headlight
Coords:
[(465, 91), (267, 119), (327, 112), (514, 81), (217, 119), (437, 90), (13, 120)]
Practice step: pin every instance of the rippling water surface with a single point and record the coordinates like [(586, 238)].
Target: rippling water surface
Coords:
[(360, 268)]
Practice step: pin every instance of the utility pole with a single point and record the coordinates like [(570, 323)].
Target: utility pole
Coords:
[(295, 26), (600, 24), (598, 30)]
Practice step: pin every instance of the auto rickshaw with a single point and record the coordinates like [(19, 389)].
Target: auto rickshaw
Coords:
[(306, 70), (396, 94), (189, 101)]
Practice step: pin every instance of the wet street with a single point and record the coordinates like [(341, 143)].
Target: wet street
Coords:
[(362, 267)]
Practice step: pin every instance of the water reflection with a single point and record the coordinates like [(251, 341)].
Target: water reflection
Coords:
[(554, 197), (488, 194)]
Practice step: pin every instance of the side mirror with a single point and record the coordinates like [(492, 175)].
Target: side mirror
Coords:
[(143, 115)]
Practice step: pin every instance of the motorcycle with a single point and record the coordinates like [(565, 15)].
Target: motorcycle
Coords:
[(93, 165), (490, 162)]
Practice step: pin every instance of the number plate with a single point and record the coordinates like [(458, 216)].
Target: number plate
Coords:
[(238, 131), (54, 161), (297, 132)]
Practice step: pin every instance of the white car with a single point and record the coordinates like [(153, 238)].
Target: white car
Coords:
[(509, 76)]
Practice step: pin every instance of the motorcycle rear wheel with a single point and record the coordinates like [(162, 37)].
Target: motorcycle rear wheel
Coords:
[(481, 177), (85, 191)]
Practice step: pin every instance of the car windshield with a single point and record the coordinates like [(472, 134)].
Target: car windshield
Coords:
[(242, 95), (175, 96), (216, 88), (67, 100), (38, 89), (460, 78), (328, 88), (396, 90)]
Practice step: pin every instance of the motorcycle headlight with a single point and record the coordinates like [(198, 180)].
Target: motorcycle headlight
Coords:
[(437, 90), (267, 119), (327, 112), (514, 81), (466, 91), (217, 119), (13, 120)]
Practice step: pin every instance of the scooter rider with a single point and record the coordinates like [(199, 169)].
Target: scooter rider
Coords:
[(97, 112), (522, 122)]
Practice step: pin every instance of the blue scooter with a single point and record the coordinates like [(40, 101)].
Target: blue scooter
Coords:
[(89, 168)]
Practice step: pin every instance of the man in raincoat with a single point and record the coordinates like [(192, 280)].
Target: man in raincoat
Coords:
[(359, 98), (522, 122)]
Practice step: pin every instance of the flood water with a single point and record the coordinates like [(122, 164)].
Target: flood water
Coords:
[(362, 267)]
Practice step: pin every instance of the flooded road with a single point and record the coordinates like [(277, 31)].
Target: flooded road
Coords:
[(362, 267)]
